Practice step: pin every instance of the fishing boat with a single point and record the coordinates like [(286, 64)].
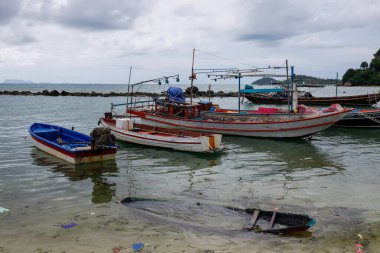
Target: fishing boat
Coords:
[(203, 117), (72, 146), (174, 112), (276, 222), (363, 118), (262, 96), (125, 129)]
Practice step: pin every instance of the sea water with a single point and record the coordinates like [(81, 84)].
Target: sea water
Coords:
[(333, 177)]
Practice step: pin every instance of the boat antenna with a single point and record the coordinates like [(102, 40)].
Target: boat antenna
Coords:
[(192, 78), (129, 84)]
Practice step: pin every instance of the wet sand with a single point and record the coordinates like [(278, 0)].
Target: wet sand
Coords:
[(114, 228)]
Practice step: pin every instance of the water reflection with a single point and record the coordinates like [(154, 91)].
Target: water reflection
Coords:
[(170, 164), (362, 135), (102, 191), (285, 155)]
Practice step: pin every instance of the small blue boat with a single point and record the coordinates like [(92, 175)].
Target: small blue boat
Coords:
[(72, 146)]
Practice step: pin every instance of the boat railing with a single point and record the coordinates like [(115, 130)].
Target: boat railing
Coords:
[(135, 105)]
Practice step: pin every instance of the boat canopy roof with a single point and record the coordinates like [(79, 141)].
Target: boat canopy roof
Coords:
[(261, 90)]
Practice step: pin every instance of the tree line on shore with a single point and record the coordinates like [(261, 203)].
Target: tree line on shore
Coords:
[(367, 74)]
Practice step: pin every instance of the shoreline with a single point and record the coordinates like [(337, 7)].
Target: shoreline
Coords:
[(63, 93)]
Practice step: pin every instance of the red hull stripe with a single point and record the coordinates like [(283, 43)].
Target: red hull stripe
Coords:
[(75, 154), (143, 114), (192, 143), (244, 130)]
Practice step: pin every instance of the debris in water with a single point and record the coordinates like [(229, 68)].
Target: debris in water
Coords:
[(2, 210), (70, 225), (138, 246)]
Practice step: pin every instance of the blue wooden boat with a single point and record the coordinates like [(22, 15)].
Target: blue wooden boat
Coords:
[(72, 146)]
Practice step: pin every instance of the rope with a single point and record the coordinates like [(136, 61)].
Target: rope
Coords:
[(242, 63), (368, 117)]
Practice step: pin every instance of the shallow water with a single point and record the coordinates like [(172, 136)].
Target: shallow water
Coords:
[(332, 177)]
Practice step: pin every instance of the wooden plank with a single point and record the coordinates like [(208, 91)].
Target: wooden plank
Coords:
[(272, 220), (255, 216)]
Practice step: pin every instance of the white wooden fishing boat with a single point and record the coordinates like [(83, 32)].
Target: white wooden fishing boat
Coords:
[(69, 145), (126, 130)]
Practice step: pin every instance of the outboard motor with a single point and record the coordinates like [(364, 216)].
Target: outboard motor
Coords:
[(101, 137), (307, 95)]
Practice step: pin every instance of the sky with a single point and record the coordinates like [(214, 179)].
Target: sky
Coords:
[(97, 41)]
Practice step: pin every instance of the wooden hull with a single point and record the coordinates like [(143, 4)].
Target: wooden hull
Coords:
[(166, 139), (360, 100), (276, 222), (251, 125), (367, 118), (83, 154)]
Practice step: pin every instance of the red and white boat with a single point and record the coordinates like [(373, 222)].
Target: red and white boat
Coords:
[(202, 117), (126, 130)]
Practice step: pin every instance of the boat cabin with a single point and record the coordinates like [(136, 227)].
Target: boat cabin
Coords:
[(181, 109)]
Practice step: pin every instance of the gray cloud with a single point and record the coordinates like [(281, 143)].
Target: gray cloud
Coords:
[(89, 15), (20, 39), (8, 10), (273, 21)]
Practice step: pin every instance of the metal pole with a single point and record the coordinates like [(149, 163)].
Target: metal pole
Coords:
[(209, 93), (287, 79), (192, 78), (239, 92), (336, 85), (129, 83), (294, 96)]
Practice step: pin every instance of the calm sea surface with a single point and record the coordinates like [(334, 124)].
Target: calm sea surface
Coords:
[(334, 177)]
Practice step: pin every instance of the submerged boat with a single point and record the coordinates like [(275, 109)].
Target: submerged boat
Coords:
[(263, 97), (364, 118), (72, 146), (126, 130), (197, 215), (276, 222)]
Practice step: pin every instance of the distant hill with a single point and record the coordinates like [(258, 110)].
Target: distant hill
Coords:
[(16, 81), (307, 80), (265, 81), (301, 80)]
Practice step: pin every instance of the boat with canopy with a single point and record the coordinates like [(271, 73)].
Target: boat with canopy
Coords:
[(174, 112)]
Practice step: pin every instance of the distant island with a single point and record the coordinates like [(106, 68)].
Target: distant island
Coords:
[(301, 80), (16, 81)]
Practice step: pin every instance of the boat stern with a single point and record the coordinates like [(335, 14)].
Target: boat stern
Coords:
[(213, 142)]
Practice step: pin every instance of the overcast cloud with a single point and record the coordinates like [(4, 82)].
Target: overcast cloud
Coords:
[(96, 40)]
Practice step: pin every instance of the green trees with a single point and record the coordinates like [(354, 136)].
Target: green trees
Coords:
[(364, 65), (366, 75)]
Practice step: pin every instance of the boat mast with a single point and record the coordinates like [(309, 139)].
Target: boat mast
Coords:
[(192, 78), (294, 96), (287, 79), (239, 76), (336, 85), (129, 84)]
